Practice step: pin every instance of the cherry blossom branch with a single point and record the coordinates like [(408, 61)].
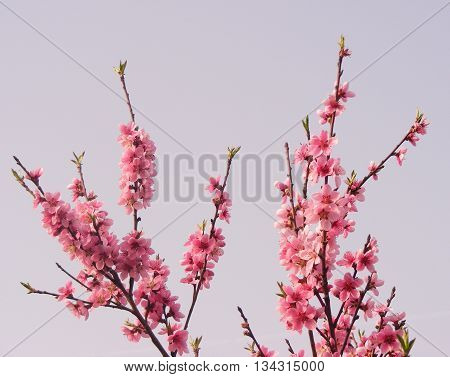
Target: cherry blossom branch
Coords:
[(290, 349), (381, 164), (114, 278), (121, 72), (32, 290), (138, 314), (36, 182), (198, 286), (326, 292), (338, 81), (305, 123), (355, 272), (248, 331), (388, 304), (342, 54), (291, 185), (355, 315)]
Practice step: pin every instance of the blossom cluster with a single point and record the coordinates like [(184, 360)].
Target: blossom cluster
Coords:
[(310, 226), (205, 248), (122, 274), (138, 168)]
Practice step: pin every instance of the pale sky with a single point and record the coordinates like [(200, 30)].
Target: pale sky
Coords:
[(213, 74)]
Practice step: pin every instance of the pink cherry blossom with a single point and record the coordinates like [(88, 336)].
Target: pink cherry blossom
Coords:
[(366, 260), (400, 154), (344, 93), (322, 144), (178, 342), (373, 167), (347, 287), (78, 309), (387, 340), (213, 184), (35, 174), (65, 291)]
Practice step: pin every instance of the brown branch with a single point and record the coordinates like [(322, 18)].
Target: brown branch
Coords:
[(138, 314), (291, 186), (312, 343), (73, 298), (127, 95), (73, 277), (381, 164), (290, 349), (248, 331), (326, 293), (36, 183)]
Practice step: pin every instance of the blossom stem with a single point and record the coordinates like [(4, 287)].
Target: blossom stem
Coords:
[(317, 294), (312, 342), (291, 186), (138, 314), (355, 272), (336, 89), (388, 304), (355, 315), (326, 292), (73, 298), (290, 349), (83, 184), (73, 277), (136, 218), (338, 81), (127, 95), (249, 331), (305, 183), (28, 174), (381, 165), (198, 286)]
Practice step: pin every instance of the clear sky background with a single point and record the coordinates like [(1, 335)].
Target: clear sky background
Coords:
[(213, 74)]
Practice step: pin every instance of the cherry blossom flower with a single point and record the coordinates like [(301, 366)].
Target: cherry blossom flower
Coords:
[(400, 154), (373, 168), (178, 342), (78, 309), (322, 144), (65, 291), (34, 175), (347, 287), (387, 340)]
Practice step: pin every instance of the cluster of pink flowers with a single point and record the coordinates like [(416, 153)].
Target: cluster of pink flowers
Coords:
[(123, 274), (205, 249), (334, 104), (138, 168), (309, 230)]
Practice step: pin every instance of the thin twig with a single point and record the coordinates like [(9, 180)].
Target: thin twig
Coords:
[(312, 343), (291, 186), (248, 331), (73, 277)]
